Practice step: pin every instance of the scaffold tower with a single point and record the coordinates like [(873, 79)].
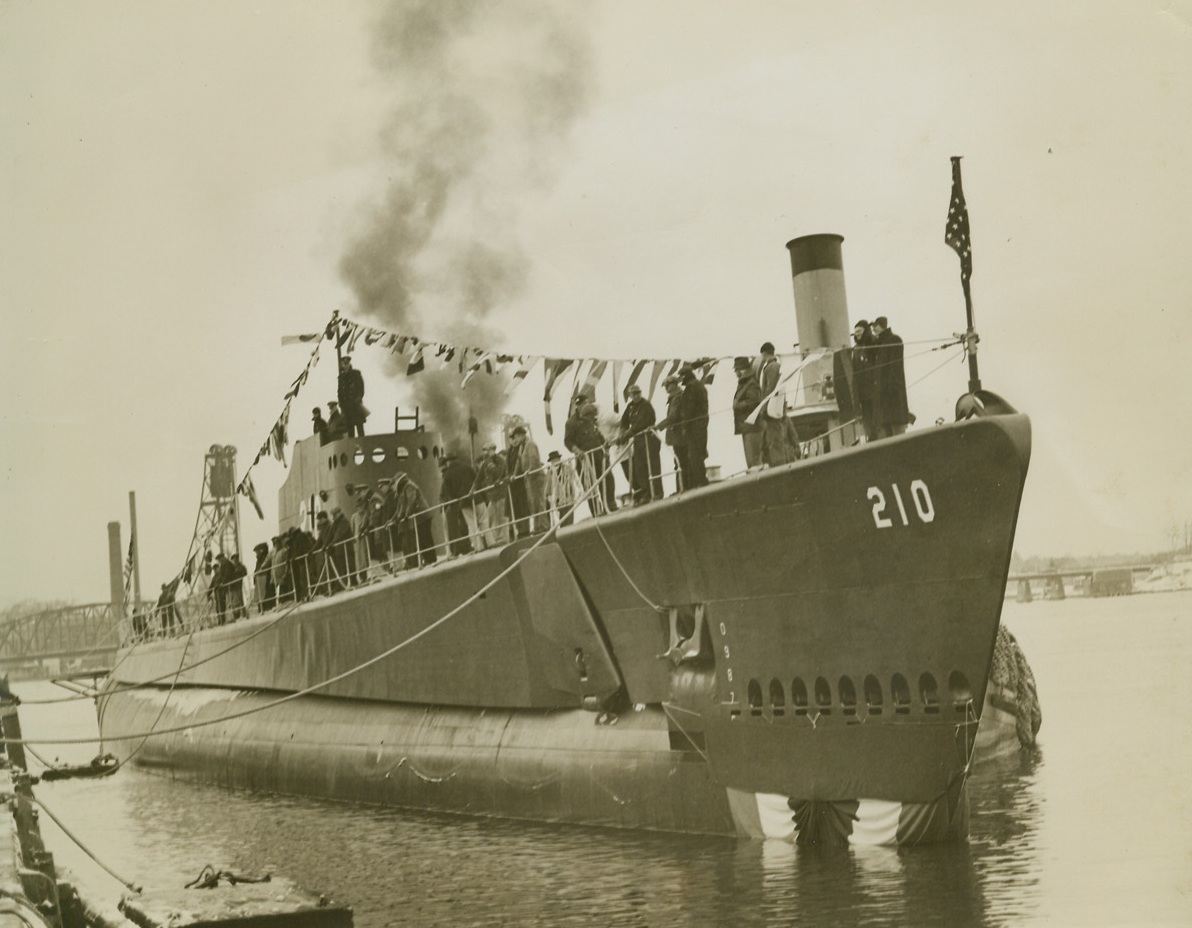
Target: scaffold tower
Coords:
[(217, 526)]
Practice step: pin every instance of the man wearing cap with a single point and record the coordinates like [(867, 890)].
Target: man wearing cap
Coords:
[(592, 461), (413, 522), (320, 573), (672, 426), (773, 432), (890, 412), (645, 464), (318, 425), (341, 551), (351, 397), (693, 416), (361, 528), (526, 483), (383, 508), (862, 363), (335, 422), (489, 491), (261, 581), (455, 494), (571, 429), (747, 398)]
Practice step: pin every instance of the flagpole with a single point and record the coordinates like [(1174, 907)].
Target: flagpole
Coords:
[(136, 550), (970, 340), (958, 236)]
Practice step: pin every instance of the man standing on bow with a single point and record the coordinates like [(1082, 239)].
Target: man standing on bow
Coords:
[(862, 358), (672, 427), (773, 431), (745, 401), (693, 417), (645, 461), (890, 413)]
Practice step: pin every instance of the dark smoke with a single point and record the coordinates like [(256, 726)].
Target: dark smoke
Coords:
[(485, 94)]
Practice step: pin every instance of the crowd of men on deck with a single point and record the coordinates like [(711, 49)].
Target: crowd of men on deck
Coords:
[(513, 493)]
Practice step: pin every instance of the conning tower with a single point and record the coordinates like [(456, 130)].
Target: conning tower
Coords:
[(329, 476)]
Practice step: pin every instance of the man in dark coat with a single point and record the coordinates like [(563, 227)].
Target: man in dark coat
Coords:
[(645, 462), (221, 578), (300, 545), (318, 425), (236, 574), (341, 551), (413, 522), (672, 426), (351, 397), (262, 582), (383, 520), (890, 413), (747, 398), (693, 414), (455, 493), (571, 429), (336, 428), (862, 357), (166, 609), (769, 374), (592, 460)]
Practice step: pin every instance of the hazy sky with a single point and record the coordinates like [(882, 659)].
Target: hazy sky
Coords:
[(183, 183)]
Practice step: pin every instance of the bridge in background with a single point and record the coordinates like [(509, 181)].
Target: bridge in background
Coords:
[(1086, 581), (74, 638)]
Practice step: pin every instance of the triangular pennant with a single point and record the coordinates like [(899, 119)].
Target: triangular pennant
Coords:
[(655, 375)]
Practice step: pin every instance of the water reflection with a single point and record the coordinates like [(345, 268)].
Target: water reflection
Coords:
[(1096, 831), (397, 867)]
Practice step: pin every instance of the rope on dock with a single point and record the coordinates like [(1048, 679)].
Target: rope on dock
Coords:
[(82, 847)]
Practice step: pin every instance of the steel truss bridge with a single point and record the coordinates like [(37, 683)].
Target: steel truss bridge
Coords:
[(86, 634)]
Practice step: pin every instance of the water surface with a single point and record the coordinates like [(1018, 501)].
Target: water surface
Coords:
[(1094, 828)]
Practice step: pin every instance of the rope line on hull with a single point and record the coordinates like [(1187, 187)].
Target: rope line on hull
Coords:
[(351, 671)]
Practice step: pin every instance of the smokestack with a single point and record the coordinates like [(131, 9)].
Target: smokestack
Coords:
[(116, 570), (821, 311)]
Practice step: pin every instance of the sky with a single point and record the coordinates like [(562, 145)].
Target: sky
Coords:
[(186, 182)]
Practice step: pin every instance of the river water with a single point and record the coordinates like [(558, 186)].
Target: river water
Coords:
[(1093, 828)]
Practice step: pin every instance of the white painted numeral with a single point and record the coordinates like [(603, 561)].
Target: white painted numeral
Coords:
[(898, 500), (879, 506), (920, 496)]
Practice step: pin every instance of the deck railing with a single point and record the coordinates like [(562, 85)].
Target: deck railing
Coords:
[(519, 506)]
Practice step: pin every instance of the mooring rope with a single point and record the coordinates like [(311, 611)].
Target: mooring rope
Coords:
[(82, 847), (351, 671)]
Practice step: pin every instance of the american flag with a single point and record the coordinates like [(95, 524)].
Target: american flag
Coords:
[(956, 232)]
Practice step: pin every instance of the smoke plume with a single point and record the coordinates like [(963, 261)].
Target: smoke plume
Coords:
[(485, 94)]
